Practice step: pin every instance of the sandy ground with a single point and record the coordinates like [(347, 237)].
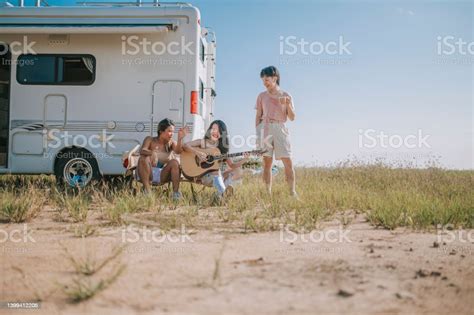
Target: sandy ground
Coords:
[(359, 270)]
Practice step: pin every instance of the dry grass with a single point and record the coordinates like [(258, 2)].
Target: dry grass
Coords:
[(390, 197), (17, 207), (83, 285), (76, 206)]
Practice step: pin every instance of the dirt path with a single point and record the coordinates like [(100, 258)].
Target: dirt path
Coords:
[(370, 271)]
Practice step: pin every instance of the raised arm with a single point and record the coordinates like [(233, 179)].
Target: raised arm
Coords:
[(178, 146)]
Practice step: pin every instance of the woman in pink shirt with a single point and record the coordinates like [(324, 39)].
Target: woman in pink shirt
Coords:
[(274, 106)]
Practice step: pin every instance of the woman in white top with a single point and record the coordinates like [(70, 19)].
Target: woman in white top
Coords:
[(217, 137)]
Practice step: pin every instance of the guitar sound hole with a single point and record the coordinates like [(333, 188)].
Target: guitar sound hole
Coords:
[(206, 165)]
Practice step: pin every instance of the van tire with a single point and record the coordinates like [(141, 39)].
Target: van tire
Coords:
[(76, 168)]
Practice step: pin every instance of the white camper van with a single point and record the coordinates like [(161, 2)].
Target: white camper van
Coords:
[(81, 85)]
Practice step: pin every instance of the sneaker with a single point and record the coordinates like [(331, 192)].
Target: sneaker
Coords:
[(295, 195), (269, 190), (177, 196), (216, 199), (229, 191)]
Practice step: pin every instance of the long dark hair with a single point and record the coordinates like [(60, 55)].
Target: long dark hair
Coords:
[(270, 71), (223, 144)]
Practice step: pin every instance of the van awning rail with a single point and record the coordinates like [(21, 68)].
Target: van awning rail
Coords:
[(84, 29)]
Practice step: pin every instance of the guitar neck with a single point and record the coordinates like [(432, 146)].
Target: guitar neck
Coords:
[(231, 155)]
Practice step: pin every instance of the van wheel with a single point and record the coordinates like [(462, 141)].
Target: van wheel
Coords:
[(76, 168)]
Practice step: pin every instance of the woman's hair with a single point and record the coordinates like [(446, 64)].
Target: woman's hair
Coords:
[(270, 71), (163, 125), (223, 144)]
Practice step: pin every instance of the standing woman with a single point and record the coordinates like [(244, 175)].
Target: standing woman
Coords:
[(274, 106)]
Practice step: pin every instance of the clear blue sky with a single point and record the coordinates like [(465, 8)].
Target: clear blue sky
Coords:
[(392, 82)]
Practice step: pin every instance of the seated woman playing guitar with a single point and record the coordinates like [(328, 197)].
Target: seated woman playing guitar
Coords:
[(217, 137), (157, 163)]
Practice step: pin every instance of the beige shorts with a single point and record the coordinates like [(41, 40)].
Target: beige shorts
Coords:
[(276, 142)]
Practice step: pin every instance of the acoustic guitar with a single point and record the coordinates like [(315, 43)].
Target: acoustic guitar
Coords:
[(192, 167)]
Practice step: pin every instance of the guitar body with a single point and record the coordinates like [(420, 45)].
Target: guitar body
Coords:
[(191, 166)]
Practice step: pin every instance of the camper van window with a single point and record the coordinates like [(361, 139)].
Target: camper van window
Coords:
[(201, 97), (56, 69), (36, 69), (75, 70), (202, 51), (201, 90)]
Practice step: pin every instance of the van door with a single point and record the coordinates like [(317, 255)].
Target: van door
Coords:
[(5, 75), (168, 102), (55, 109)]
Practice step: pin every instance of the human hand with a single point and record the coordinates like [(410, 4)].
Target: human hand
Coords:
[(154, 157), (284, 100), (201, 156), (183, 132)]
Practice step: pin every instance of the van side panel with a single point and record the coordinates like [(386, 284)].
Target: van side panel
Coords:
[(114, 113)]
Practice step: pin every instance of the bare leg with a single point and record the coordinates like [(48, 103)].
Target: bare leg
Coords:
[(171, 173), (290, 174), (228, 172), (267, 172), (237, 173), (144, 172), (234, 174)]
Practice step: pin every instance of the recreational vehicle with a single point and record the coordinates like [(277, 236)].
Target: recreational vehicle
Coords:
[(81, 85)]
